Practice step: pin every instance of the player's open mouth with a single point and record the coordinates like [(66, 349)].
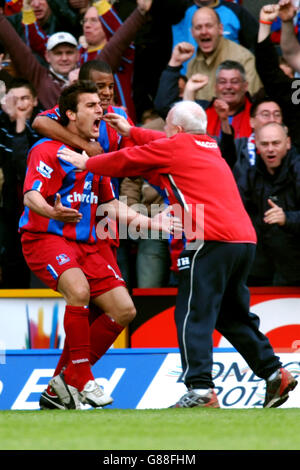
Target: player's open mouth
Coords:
[(96, 124), (271, 158)]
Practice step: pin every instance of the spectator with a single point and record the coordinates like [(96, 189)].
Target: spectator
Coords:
[(52, 16), (231, 87), (238, 24), (62, 57), (213, 49), (271, 193), (278, 86), (242, 151), (19, 108)]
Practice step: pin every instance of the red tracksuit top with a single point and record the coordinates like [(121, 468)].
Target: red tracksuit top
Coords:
[(193, 172)]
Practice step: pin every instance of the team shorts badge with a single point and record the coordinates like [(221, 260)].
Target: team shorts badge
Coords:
[(62, 259)]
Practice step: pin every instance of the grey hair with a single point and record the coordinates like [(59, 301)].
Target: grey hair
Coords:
[(190, 116), (231, 65)]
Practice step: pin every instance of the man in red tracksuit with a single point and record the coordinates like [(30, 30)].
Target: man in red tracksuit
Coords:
[(216, 260)]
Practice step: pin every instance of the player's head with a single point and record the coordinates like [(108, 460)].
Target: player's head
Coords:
[(80, 109), (101, 74), (186, 116)]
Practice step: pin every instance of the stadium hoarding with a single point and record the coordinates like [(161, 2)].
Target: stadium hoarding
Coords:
[(278, 309), (139, 378), (33, 319)]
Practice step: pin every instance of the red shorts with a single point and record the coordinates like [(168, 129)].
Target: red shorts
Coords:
[(48, 256)]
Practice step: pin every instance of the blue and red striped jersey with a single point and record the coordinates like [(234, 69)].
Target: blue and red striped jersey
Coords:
[(82, 190)]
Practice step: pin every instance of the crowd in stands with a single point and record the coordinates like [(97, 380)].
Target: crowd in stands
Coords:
[(144, 56)]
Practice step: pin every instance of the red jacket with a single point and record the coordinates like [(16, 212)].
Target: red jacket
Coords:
[(240, 121), (198, 181)]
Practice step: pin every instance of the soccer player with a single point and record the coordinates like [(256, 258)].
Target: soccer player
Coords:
[(60, 245), (48, 122), (214, 266)]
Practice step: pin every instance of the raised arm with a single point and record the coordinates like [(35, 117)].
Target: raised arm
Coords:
[(117, 45), (49, 127), (288, 41), (195, 83), (168, 92), (267, 15)]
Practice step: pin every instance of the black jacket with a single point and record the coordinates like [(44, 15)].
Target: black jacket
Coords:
[(278, 86), (278, 247)]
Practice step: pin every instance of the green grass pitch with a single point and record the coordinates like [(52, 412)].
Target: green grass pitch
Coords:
[(167, 429)]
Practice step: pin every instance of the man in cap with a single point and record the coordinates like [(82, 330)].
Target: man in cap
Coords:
[(61, 55)]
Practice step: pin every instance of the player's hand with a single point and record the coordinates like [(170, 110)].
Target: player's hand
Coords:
[(269, 12), (76, 159), (119, 123), (167, 223), (64, 214), (275, 215)]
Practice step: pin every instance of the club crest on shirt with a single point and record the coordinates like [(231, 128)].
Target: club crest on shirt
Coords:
[(88, 185), (44, 169), (62, 259)]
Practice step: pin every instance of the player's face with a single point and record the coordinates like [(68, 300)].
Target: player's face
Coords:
[(273, 144), (63, 58), (231, 87), (88, 115), (106, 87)]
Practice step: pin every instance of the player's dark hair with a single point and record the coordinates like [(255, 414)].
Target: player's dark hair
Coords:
[(98, 65), (69, 97)]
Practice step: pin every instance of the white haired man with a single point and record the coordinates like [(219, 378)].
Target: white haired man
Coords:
[(216, 260)]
